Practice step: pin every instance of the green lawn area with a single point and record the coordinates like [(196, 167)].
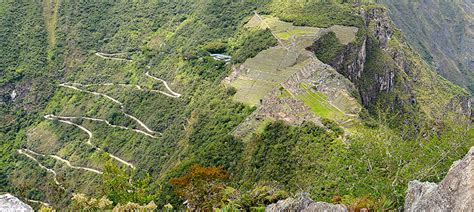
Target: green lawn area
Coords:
[(298, 31), (284, 30), (250, 91), (319, 104)]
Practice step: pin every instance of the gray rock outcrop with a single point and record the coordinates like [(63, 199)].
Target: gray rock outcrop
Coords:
[(303, 203), (10, 203), (454, 193)]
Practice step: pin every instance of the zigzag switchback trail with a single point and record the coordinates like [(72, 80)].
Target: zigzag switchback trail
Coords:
[(89, 140)]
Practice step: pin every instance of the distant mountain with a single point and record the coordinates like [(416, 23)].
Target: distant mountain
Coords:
[(443, 32)]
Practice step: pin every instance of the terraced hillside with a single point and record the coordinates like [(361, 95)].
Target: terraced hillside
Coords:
[(290, 69), (162, 102)]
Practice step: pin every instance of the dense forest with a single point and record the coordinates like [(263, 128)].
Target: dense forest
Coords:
[(149, 92)]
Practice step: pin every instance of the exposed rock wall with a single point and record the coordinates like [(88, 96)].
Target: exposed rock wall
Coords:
[(350, 62), (386, 71), (462, 105), (372, 83), (380, 24), (10, 203), (304, 203), (454, 193), (443, 33)]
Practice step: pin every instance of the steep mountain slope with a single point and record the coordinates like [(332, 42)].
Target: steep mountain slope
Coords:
[(443, 32), (133, 95), (388, 74)]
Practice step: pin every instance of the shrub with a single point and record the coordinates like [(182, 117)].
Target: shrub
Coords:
[(327, 47), (201, 186), (252, 43)]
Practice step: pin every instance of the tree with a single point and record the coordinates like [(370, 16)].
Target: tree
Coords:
[(121, 187), (201, 186)]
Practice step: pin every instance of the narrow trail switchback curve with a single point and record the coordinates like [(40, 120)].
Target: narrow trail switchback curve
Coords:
[(111, 56), (23, 152), (89, 142), (73, 86), (176, 95)]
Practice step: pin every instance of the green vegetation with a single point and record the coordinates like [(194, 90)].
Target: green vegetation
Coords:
[(444, 50), (253, 42), (50, 15), (323, 14), (327, 47), (23, 60), (206, 68), (372, 157), (319, 103), (284, 30), (172, 40), (121, 188)]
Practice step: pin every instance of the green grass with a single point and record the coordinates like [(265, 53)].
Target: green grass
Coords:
[(250, 91), (319, 103), (344, 34), (50, 15), (284, 30), (328, 47), (298, 31), (322, 14)]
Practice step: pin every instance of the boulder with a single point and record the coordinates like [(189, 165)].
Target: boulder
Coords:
[(454, 193), (10, 203), (303, 203)]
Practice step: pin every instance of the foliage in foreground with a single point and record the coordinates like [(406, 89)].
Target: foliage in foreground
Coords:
[(201, 187)]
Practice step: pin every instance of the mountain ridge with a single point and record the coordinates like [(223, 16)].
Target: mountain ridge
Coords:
[(443, 35)]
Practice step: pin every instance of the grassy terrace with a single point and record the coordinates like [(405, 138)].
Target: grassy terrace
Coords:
[(270, 67), (319, 104), (265, 72), (283, 30)]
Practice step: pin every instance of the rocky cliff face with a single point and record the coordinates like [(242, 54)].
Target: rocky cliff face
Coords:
[(388, 73), (443, 33), (10, 203), (303, 203), (454, 193), (379, 24), (357, 60)]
